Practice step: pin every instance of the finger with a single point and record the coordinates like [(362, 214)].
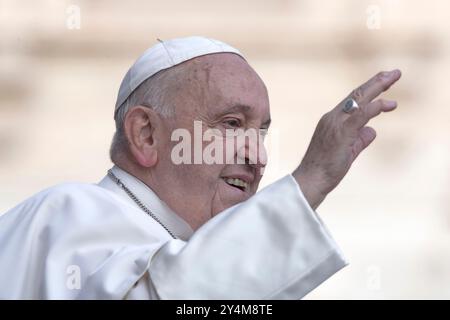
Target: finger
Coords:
[(372, 88), (362, 115), (365, 137)]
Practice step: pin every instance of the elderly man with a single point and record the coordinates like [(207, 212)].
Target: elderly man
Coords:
[(155, 228)]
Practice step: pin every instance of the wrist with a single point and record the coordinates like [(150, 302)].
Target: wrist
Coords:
[(311, 186)]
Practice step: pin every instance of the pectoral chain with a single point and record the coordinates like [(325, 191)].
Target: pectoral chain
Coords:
[(137, 201)]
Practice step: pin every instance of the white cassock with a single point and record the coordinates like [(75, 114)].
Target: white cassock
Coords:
[(272, 246)]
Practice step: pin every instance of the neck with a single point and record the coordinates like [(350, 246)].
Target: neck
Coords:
[(149, 178)]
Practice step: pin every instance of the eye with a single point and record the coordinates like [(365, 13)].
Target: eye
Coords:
[(232, 123)]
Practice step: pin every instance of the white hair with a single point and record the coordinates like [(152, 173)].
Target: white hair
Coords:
[(155, 92)]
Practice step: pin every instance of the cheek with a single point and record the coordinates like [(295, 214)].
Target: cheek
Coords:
[(219, 203), (200, 180), (256, 182)]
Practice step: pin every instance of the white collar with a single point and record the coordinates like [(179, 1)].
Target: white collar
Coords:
[(147, 196)]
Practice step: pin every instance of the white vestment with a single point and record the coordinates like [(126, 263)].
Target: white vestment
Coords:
[(91, 241)]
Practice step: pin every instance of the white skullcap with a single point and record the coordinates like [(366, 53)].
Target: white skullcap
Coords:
[(164, 55)]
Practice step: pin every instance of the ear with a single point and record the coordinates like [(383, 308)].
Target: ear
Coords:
[(140, 125)]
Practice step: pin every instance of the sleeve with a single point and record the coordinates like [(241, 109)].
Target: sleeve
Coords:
[(272, 246)]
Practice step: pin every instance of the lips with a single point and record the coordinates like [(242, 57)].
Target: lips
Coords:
[(239, 181)]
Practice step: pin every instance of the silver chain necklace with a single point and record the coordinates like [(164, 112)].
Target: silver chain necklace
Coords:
[(137, 201)]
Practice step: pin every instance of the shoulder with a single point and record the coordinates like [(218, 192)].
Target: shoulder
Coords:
[(66, 199), (78, 208), (67, 193), (71, 189), (75, 208), (72, 224)]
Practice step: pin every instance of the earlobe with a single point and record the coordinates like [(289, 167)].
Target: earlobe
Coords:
[(149, 155), (151, 159), (140, 124)]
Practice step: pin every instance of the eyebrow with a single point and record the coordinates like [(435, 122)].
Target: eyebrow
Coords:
[(244, 108), (239, 107)]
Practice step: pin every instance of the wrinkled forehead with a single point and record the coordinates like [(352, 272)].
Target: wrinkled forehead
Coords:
[(224, 80), (221, 66)]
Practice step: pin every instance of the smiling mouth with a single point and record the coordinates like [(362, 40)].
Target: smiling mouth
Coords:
[(237, 183)]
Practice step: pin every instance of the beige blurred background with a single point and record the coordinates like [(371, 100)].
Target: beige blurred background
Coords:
[(61, 63)]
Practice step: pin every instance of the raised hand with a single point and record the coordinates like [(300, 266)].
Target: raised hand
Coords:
[(341, 136)]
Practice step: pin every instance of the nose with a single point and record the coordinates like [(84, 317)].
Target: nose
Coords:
[(253, 152)]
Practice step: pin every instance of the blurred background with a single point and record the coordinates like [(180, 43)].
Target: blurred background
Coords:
[(61, 64)]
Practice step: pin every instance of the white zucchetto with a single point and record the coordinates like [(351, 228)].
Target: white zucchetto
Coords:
[(164, 55)]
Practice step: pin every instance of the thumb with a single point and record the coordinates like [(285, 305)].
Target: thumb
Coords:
[(365, 137)]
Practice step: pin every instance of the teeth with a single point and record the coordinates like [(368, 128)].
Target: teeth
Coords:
[(237, 182)]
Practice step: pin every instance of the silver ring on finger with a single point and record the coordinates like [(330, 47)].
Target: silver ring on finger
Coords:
[(350, 105)]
